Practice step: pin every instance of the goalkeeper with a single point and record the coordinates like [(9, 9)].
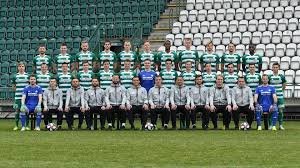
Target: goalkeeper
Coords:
[(31, 103)]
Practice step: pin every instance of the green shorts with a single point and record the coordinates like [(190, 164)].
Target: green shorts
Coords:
[(280, 103), (17, 104)]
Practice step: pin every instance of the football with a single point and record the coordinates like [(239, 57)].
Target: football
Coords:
[(51, 127), (149, 127), (244, 126)]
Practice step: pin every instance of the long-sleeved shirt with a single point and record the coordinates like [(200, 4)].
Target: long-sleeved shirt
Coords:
[(199, 95), (75, 97), (115, 95), (159, 96), (180, 95), (220, 96), (95, 96), (242, 96), (136, 96), (52, 98)]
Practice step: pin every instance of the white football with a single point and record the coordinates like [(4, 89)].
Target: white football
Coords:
[(51, 127), (244, 126), (149, 127)]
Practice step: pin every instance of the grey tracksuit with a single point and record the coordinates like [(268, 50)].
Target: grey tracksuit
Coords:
[(158, 96), (136, 96), (220, 96), (75, 97), (94, 97), (199, 95), (52, 98), (180, 95), (242, 96), (115, 95)]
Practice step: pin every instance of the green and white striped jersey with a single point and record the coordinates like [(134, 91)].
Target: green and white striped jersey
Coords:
[(123, 56), (209, 79), (230, 79), (235, 59), (126, 78), (64, 83), (38, 61), (85, 79), (105, 78), (188, 55), (212, 59), (163, 56), (20, 81), (189, 78), (253, 81), (85, 56), (252, 59), (43, 80), (168, 78), (60, 59), (277, 82), (151, 56), (111, 56)]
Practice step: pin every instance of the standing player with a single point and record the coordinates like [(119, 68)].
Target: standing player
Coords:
[(168, 75), (199, 102), (252, 58), (115, 99), (180, 103), (165, 55), (137, 102), (105, 75), (242, 100), (159, 103), (126, 75), (43, 78), (107, 54), (147, 77), (209, 57), (231, 57), (266, 104), (188, 55), (83, 56), (64, 81), (63, 57), (85, 76), (220, 102), (189, 75), (53, 103), (31, 103), (95, 105), (147, 54), (40, 59), (209, 77), (127, 54), (278, 81), (75, 103), (230, 77), (253, 79), (19, 82)]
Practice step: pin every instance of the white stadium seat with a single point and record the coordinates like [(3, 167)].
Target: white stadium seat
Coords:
[(274, 3), (249, 13), (270, 50), (280, 50), (293, 24), (183, 16), (236, 38), (204, 27), (193, 16), (287, 37), (256, 37), (176, 28), (288, 12), (207, 37), (217, 37), (173, 48), (201, 49), (181, 48), (274, 60), (276, 38), (282, 24), (262, 25), (264, 3), (178, 39), (266, 37), (227, 4), (268, 72), (185, 28), (260, 49), (199, 4), (295, 63), (255, 3), (284, 2), (195, 27), (239, 14), (297, 77), (190, 35), (298, 50), (202, 15), (265, 63), (297, 91), (289, 91), (240, 49), (259, 13), (230, 13), (226, 38), (252, 26), (214, 27), (236, 4), (161, 48), (170, 37), (220, 49), (269, 12), (223, 28), (278, 12), (294, 2), (273, 24), (246, 38), (285, 63), (297, 12), (233, 26), (208, 4), (220, 14), (245, 4), (190, 4), (291, 49), (198, 39), (289, 76), (211, 15), (243, 26), (218, 4), (296, 36)]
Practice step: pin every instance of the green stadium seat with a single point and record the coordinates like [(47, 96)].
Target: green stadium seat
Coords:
[(145, 17), (10, 3), (58, 2), (59, 41), (56, 52), (19, 11), (4, 68), (59, 32), (2, 33), (76, 43), (26, 32), (92, 30), (27, 22), (3, 21), (136, 17), (27, 3), (128, 30), (3, 3), (75, 10), (10, 22), (43, 11), (117, 7), (26, 44), (18, 44), (19, 33), (59, 10), (2, 44), (13, 68), (83, 9), (108, 8), (119, 30), (42, 32), (14, 56), (134, 7), (67, 2), (110, 17), (50, 21), (10, 33), (23, 55), (75, 2), (68, 31), (84, 32), (152, 6), (10, 44), (11, 12), (51, 11), (92, 20), (92, 9), (19, 3), (35, 11), (68, 20), (143, 6), (51, 32), (51, 2), (29, 67), (76, 30), (19, 22), (118, 17), (4, 80), (162, 6), (3, 12), (67, 10), (34, 32), (49, 52), (34, 21), (101, 18), (42, 21), (125, 7), (26, 11), (43, 41), (100, 8), (51, 43), (154, 17), (30, 55), (127, 17), (40, 2), (59, 21), (5, 55), (34, 44), (75, 20), (84, 19), (110, 30), (69, 42), (81, 2)]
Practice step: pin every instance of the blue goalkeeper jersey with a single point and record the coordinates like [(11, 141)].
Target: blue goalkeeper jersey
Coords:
[(265, 96), (147, 79), (32, 95)]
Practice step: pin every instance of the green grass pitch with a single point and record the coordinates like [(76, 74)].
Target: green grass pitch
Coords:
[(190, 148)]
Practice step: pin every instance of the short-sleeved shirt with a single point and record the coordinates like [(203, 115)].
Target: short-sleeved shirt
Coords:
[(105, 78), (252, 59), (85, 56), (277, 82), (32, 95), (189, 78), (64, 83), (230, 79), (188, 55), (131, 56), (43, 80), (85, 79), (265, 96), (253, 81), (209, 80), (60, 59), (168, 78), (111, 56), (20, 81), (234, 59), (147, 55), (39, 60), (212, 59), (163, 56), (126, 78)]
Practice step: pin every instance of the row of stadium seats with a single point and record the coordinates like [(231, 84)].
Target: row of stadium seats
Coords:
[(235, 4)]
